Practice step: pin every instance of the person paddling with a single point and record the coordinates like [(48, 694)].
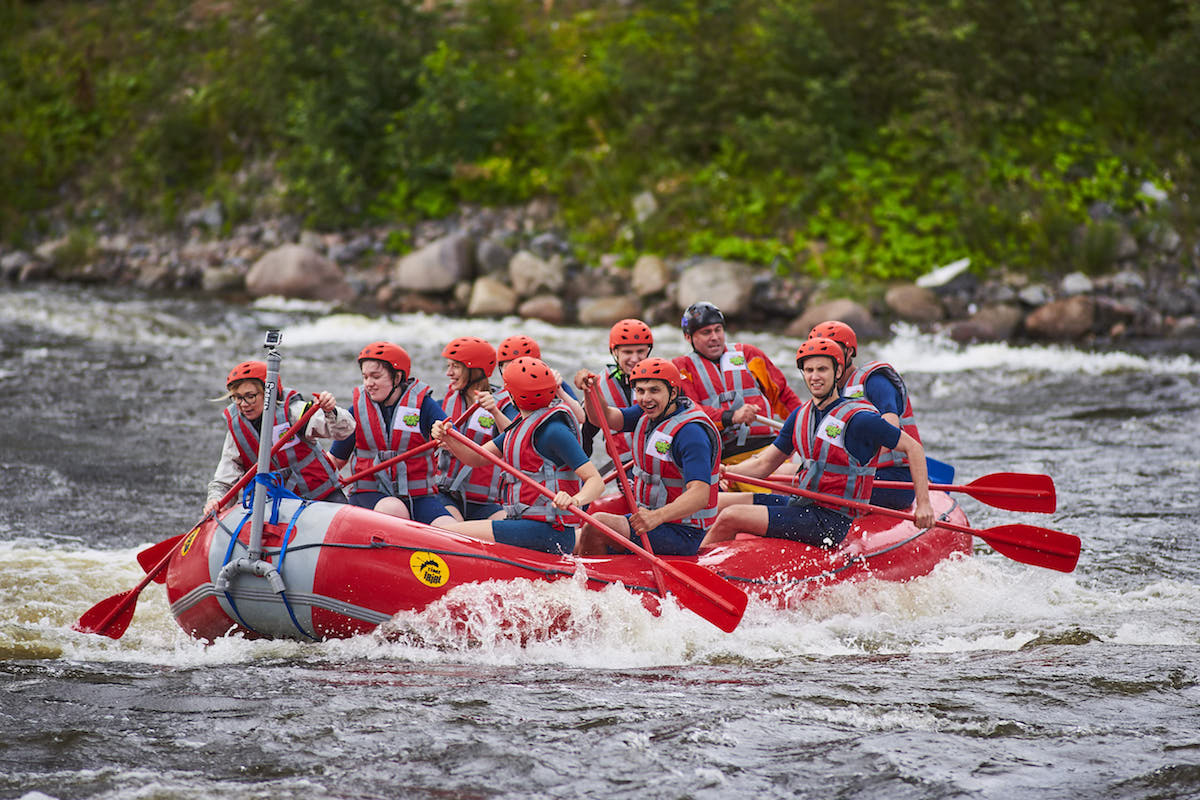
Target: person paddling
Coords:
[(733, 383), (838, 438), (395, 412), (880, 384), (469, 492), (629, 342), (306, 470), (676, 457), (543, 442)]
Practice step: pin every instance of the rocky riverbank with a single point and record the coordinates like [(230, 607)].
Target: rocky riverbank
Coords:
[(489, 262)]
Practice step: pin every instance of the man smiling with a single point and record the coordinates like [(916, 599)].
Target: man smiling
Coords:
[(837, 437), (676, 455)]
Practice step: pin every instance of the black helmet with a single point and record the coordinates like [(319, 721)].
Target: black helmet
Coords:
[(700, 315)]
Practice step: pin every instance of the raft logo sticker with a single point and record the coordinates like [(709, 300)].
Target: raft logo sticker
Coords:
[(411, 419), (188, 541), (429, 568), (659, 446)]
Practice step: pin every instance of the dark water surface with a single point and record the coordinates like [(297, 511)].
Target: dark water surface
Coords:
[(986, 679)]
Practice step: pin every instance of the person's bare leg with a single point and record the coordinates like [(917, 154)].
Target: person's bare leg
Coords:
[(592, 542), (736, 519)]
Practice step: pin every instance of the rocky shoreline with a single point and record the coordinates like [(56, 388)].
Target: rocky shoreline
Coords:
[(499, 262)]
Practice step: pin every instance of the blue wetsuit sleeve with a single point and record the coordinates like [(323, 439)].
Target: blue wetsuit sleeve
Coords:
[(631, 415), (431, 412), (783, 442), (557, 442), (692, 450), (569, 391), (344, 448), (868, 432), (883, 394)]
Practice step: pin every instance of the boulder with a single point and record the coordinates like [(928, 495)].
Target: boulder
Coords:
[(1062, 320), (546, 307), (728, 284), (437, 266), (604, 311), (843, 310), (491, 298), (913, 303), (295, 271), (651, 275), (530, 274), (994, 323)]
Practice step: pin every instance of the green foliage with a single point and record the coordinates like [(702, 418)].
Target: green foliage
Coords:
[(859, 147)]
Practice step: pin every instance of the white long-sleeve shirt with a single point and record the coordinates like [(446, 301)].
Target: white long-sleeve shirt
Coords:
[(230, 468)]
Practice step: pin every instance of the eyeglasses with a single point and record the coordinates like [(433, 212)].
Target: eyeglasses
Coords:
[(248, 397)]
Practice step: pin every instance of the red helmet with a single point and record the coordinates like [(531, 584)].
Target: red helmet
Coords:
[(630, 331), (247, 370), (820, 346), (530, 382), (517, 346), (391, 354), (840, 332), (658, 369), (473, 352)]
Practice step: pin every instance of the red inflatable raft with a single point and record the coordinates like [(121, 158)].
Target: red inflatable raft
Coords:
[(345, 570)]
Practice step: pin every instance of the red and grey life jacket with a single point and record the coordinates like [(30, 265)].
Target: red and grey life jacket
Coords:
[(523, 501), (618, 395), (306, 470), (477, 484), (828, 467), (376, 441), (855, 388), (730, 385), (658, 480)]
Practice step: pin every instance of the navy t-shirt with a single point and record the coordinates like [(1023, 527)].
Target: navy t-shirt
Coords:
[(554, 440), (691, 448)]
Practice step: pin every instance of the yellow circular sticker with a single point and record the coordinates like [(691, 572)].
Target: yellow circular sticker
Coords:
[(189, 541), (429, 568)]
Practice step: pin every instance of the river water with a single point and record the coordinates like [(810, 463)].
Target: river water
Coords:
[(987, 678)]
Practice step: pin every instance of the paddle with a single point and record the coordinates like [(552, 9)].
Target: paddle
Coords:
[(695, 587), (1014, 491), (112, 615), (1029, 544), (769, 422), (405, 456), (596, 407)]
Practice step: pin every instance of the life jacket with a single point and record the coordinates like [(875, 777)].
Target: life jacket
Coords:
[(305, 469), (524, 501), (376, 441), (477, 484), (828, 467), (855, 388), (657, 478), (618, 394), (730, 385)]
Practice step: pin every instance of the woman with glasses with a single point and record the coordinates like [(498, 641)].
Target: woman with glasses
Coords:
[(305, 468)]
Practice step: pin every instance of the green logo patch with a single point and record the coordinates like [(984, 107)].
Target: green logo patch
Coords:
[(411, 419), (856, 393), (737, 361), (833, 430), (486, 422), (662, 447)]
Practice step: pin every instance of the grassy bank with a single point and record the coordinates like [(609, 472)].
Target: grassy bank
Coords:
[(859, 142)]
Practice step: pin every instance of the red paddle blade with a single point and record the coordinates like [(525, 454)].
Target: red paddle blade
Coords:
[(155, 553), (1029, 544), (110, 617), (1015, 491), (687, 593)]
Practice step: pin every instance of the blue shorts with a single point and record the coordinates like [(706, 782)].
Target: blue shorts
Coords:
[(668, 539), (802, 522), (468, 508), (533, 534), (423, 509)]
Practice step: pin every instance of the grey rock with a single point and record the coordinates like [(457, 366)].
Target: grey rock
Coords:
[(1076, 283), (491, 298), (1035, 295), (728, 284), (844, 310), (1062, 320), (605, 311), (995, 323), (530, 274), (437, 266), (295, 271), (913, 303), (492, 256), (651, 275), (546, 307)]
